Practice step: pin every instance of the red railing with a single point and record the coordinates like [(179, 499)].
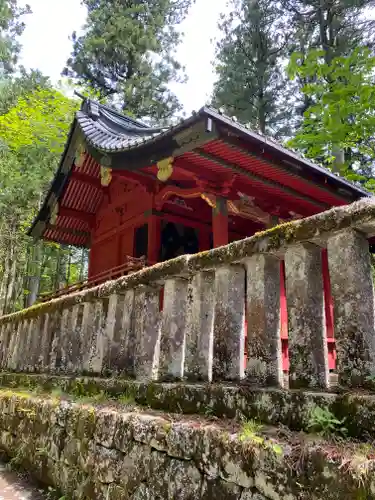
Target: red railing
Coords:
[(131, 264)]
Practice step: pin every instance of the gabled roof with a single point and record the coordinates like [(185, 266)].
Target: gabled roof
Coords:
[(108, 130), (206, 140)]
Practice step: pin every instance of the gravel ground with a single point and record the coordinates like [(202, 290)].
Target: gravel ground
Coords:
[(14, 487)]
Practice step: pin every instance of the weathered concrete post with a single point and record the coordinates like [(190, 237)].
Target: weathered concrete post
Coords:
[(45, 343), (74, 346), (16, 351), (120, 340), (14, 326), (264, 360), (308, 354), (200, 327), (5, 334), (147, 333), (56, 339), (66, 334), (229, 323), (93, 357), (34, 346), (353, 299), (172, 340)]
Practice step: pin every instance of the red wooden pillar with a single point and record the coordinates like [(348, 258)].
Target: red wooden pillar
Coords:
[(154, 239), (220, 222), (328, 304)]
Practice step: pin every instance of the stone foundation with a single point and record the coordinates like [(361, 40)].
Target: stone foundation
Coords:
[(118, 453)]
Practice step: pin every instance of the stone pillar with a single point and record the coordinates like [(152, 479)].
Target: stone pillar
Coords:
[(16, 351), (172, 343), (307, 345), (27, 355), (88, 324), (147, 333), (45, 343), (34, 346), (120, 340), (55, 332), (93, 356), (353, 301), (264, 360), (65, 334), (13, 327), (200, 327), (229, 323), (5, 334), (74, 344)]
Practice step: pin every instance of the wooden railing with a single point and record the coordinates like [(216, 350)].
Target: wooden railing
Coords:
[(131, 264), (118, 327)]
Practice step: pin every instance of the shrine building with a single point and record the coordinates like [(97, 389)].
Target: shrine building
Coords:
[(136, 195)]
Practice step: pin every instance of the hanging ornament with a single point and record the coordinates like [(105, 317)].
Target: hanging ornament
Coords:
[(105, 176), (165, 169)]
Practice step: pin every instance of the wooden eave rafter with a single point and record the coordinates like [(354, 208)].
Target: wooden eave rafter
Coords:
[(267, 182), (77, 214), (68, 231), (233, 144), (88, 179)]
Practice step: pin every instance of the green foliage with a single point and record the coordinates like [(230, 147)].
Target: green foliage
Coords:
[(322, 421), (40, 120), (11, 27), (251, 83), (126, 53), (250, 431), (341, 116)]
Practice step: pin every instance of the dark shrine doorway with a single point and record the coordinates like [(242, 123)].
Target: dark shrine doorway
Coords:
[(177, 239), (141, 241)]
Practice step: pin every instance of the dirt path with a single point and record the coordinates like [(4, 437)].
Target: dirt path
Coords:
[(13, 487)]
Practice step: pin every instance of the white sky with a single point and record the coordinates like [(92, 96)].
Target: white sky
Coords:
[(46, 43)]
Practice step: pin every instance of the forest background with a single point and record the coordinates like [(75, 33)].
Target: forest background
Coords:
[(301, 71)]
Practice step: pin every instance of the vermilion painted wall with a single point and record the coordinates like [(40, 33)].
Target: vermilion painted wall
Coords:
[(122, 210)]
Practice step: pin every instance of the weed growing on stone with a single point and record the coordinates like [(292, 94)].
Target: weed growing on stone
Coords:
[(323, 422), (250, 431), (126, 398)]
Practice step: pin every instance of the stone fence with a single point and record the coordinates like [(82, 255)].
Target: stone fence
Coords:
[(197, 330)]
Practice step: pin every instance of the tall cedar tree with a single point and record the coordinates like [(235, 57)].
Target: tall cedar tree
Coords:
[(11, 27), (335, 26), (127, 53), (251, 83)]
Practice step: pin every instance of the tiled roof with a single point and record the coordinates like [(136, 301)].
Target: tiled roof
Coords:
[(107, 130)]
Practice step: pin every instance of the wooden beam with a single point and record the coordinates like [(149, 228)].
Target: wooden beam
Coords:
[(263, 180), (77, 214), (87, 179), (280, 165), (146, 180), (163, 195)]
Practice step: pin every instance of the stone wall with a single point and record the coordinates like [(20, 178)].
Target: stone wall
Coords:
[(121, 453), (120, 328)]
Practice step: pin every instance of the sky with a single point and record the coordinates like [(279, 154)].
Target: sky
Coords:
[(46, 43)]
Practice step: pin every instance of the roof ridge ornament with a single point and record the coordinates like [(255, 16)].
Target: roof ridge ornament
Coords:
[(93, 110)]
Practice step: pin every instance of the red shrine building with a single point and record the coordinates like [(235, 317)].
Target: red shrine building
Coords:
[(137, 195)]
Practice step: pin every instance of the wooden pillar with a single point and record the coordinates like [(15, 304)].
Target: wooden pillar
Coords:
[(154, 239), (220, 222)]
